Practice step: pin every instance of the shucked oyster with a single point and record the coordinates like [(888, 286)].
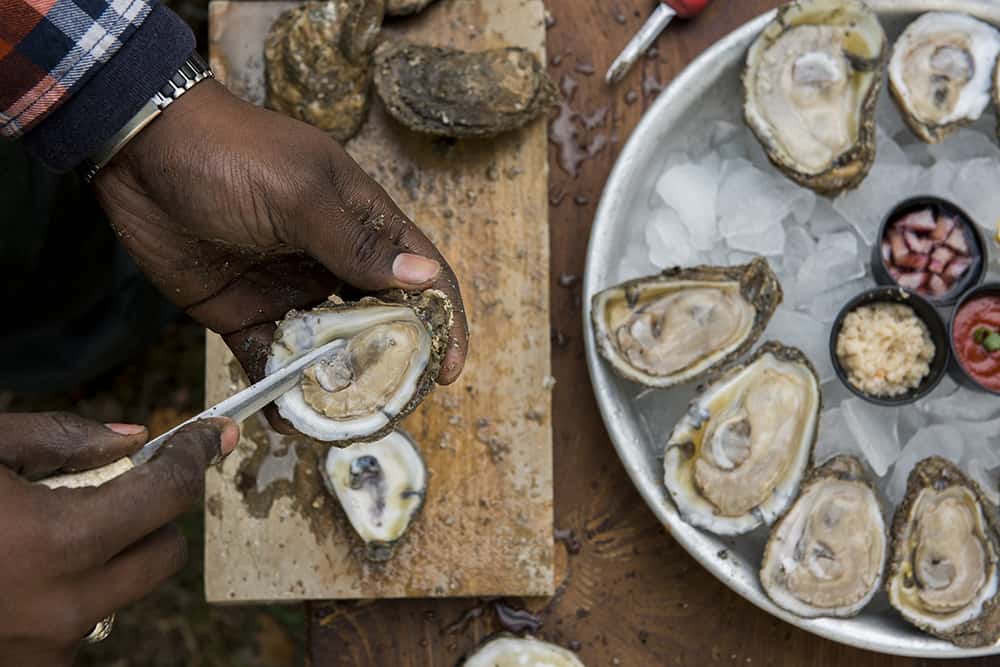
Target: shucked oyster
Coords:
[(943, 576), (391, 355), (941, 72), (736, 458), (826, 555), (455, 93), (810, 85), (318, 63), (507, 651), (403, 7), (381, 486), (677, 326)]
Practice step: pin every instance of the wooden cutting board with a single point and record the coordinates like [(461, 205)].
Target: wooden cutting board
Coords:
[(272, 530)]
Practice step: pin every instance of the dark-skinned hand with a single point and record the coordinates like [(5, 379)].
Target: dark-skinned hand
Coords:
[(74, 556), (239, 214)]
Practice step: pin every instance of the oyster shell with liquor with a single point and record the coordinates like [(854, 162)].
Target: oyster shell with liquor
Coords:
[(810, 85), (943, 574), (404, 7), (381, 485), (826, 555), (678, 325), (510, 651), (941, 72), (318, 63), (737, 456), (452, 93), (391, 354)]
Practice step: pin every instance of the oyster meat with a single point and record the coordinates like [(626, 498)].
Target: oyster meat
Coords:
[(452, 93), (381, 485), (509, 651), (391, 354), (810, 85), (677, 326), (737, 456), (941, 72), (826, 555), (318, 63), (404, 7), (943, 573)]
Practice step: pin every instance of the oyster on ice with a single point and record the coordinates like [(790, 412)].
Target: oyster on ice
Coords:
[(810, 85), (943, 573), (826, 555), (941, 72), (381, 485), (678, 325), (509, 651), (391, 354), (735, 459)]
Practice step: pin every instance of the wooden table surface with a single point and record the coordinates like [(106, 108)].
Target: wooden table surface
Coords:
[(628, 594)]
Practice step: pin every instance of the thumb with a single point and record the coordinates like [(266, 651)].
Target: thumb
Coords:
[(39, 444)]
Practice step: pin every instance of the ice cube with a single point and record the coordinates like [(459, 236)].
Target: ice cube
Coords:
[(975, 190), (965, 144), (865, 206), (825, 305), (834, 437), (876, 429), (937, 440), (806, 333), (799, 244), (987, 477), (937, 179), (668, 241), (887, 116), (962, 404), (768, 241), (834, 262), (826, 220), (749, 200), (887, 151), (634, 262), (690, 189)]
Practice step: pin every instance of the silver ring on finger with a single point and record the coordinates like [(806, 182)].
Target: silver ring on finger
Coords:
[(101, 631)]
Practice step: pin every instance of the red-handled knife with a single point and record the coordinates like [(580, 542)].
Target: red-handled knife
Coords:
[(662, 15)]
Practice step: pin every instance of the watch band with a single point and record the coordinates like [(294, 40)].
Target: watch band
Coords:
[(191, 71)]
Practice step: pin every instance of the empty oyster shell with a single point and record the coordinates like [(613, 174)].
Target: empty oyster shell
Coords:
[(403, 7), (679, 325), (454, 93), (318, 63), (810, 85), (510, 651), (392, 352), (736, 458), (943, 576), (826, 555), (381, 485), (941, 72)]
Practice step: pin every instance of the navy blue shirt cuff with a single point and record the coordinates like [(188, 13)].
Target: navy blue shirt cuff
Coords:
[(114, 94)]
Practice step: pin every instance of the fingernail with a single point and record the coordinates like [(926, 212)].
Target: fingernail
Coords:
[(414, 269), (125, 429), (230, 436)]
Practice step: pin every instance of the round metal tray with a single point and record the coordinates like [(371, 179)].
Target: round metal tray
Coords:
[(711, 83)]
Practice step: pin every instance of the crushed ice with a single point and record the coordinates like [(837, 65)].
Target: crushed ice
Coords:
[(716, 199)]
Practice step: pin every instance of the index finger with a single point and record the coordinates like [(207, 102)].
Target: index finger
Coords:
[(107, 519)]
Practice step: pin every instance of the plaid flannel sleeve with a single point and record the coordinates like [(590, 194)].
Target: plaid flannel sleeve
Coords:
[(49, 48)]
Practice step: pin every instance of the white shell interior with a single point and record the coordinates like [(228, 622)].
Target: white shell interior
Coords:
[(518, 652), (299, 335), (405, 484)]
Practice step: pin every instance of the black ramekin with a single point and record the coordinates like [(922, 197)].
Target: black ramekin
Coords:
[(955, 368), (926, 312), (973, 276)]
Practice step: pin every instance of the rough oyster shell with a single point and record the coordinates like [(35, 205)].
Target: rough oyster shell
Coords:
[(826, 555), (393, 347), (318, 63), (452, 93), (737, 456), (510, 651), (941, 72), (810, 86), (722, 309), (945, 544), (381, 486)]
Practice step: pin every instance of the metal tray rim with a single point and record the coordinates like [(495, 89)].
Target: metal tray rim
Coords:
[(690, 84)]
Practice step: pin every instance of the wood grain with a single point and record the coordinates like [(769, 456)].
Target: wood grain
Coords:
[(630, 596), (486, 528)]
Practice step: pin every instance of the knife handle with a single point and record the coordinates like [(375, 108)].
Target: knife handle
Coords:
[(686, 8)]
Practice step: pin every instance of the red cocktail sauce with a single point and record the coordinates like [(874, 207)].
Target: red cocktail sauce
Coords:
[(981, 365)]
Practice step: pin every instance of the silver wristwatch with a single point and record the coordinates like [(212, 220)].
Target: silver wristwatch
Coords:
[(193, 70)]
